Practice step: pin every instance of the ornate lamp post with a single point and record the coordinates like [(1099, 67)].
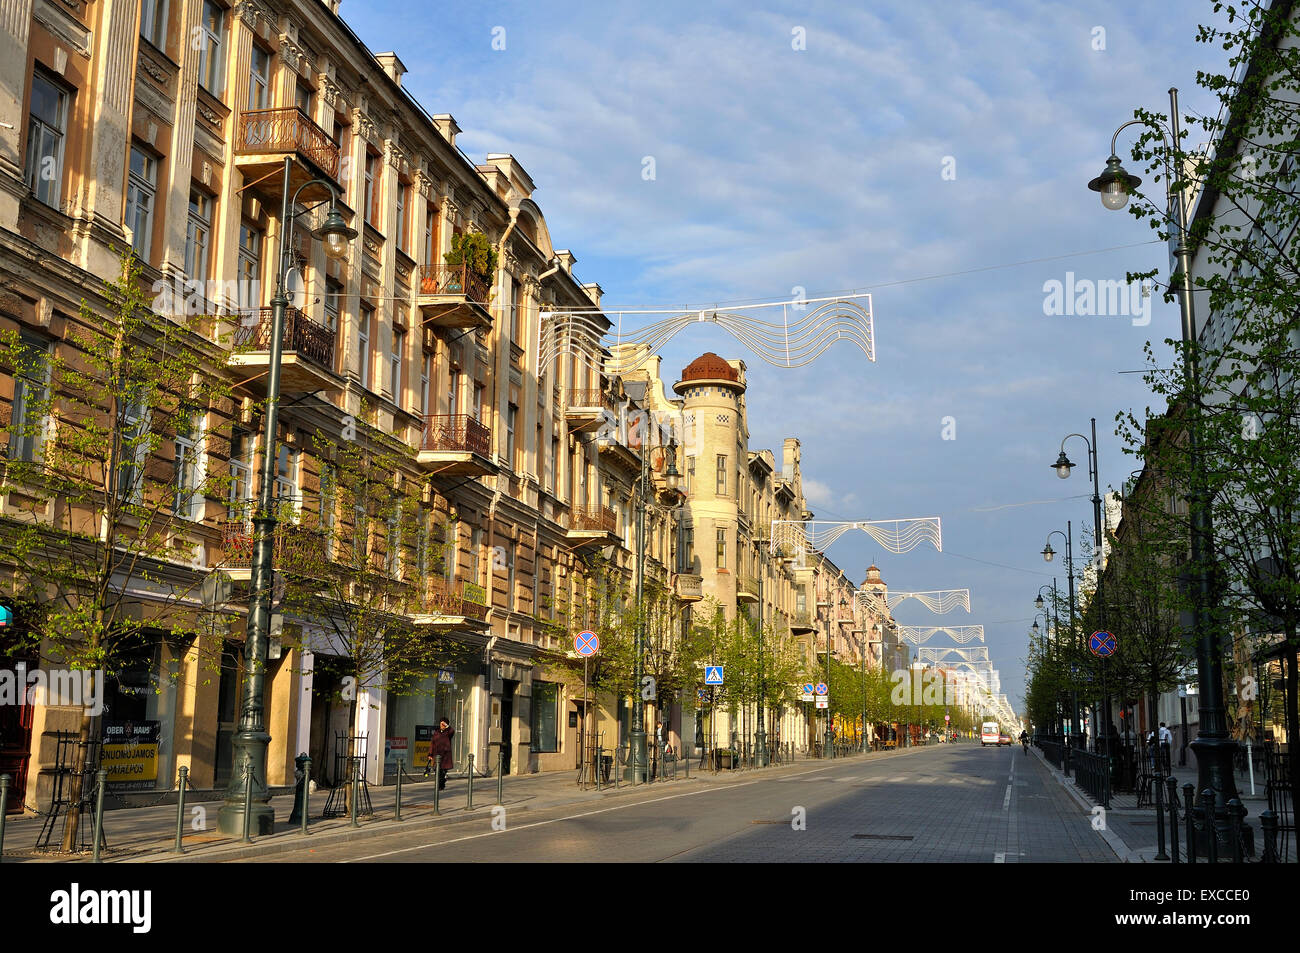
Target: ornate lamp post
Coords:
[(1213, 747), (250, 740), (1076, 736)]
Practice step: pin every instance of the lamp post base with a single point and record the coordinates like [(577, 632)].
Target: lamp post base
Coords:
[(249, 748), (637, 770), (760, 743)]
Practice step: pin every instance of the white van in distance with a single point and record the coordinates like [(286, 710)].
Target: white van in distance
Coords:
[(989, 733)]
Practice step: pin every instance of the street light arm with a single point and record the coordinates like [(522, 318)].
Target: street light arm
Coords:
[(286, 239)]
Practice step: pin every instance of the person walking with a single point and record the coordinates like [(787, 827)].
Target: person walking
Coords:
[(441, 745)]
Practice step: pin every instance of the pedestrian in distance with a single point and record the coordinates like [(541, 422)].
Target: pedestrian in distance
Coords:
[(441, 745)]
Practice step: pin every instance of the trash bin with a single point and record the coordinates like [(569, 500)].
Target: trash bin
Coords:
[(606, 765)]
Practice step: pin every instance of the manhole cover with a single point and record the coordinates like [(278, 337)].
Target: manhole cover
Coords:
[(882, 837)]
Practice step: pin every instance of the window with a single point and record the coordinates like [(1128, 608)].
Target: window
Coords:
[(514, 311), (555, 465), (250, 267), (136, 445), (371, 203), (545, 718), (512, 417), (286, 481), (211, 26), (241, 474), (451, 551), (393, 543), (197, 235), (690, 473), (403, 202), (476, 552), (453, 393), (302, 98), (722, 474), (426, 381), (360, 530), (431, 236), (187, 501), (31, 395), (399, 351), (259, 84), (328, 501), (722, 549), (153, 22), (363, 343), (333, 303), (479, 408), (141, 187), (509, 548), (422, 545), (45, 132)]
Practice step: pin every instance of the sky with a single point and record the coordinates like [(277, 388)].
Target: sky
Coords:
[(934, 154)]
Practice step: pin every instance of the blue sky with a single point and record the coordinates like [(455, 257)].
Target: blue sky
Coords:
[(822, 168)]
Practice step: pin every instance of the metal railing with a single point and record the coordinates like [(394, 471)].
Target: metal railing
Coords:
[(461, 280), (237, 543), (589, 397), (460, 433), (286, 129), (1092, 773), (301, 335), (444, 599), (593, 518)]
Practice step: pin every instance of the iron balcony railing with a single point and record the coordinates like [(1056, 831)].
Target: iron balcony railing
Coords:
[(470, 602), (596, 518), (455, 280), (590, 397), (294, 545), (458, 433), (268, 131), (301, 334)]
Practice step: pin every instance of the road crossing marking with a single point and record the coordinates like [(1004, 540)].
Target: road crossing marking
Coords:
[(1000, 858), (1006, 801)]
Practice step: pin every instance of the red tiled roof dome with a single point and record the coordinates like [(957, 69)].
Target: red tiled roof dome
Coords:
[(709, 366)]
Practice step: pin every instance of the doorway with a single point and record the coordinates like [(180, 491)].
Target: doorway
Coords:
[(507, 722)]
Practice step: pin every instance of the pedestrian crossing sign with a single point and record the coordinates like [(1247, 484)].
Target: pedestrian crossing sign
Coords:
[(713, 675)]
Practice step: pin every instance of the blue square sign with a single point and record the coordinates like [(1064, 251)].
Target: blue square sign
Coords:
[(713, 675)]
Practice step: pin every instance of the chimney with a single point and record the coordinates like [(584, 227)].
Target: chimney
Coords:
[(567, 260), (392, 66), (447, 126)]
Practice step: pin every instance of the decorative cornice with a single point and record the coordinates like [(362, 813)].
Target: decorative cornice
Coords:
[(425, 183), (396, 157), (329, 90), (291, 54)]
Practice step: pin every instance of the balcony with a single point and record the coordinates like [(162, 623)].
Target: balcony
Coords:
[(592, 526), (306, 356), (746, 587), (264, 137), (803, 622), (446, 608), (588, 408), (456, 445), (295, 546), (454, 296), (689, 587)]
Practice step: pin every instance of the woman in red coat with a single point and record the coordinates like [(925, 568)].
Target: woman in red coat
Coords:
[(440, 744)]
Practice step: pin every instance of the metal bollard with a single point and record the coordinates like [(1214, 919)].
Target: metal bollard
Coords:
[(1236, 814), (248, 800), (4, 809), (397, 808), (1172, 784), (600, 765), (356, 790), (306, 789), (1160, 820), (501, 780), (1190, 808), (1211, 831), (437, 781), (180, 810), (102, 777), (1268, 825), (469, 794)]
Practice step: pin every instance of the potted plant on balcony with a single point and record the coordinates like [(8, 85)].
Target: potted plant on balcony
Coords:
[(475, 251)]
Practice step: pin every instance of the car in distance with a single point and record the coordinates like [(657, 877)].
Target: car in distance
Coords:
[(1004, 740), (989, 733)]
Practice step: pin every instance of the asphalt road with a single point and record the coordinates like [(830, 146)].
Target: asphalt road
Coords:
[(947, 803)]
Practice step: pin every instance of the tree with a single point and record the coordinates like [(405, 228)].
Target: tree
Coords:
[(1242, 405), (106, 440), (357, 569)]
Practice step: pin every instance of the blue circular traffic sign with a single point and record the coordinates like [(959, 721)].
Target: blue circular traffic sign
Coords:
[(821, 688), (586, 643), (1102, 644)]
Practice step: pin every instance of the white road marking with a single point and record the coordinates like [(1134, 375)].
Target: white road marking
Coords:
[(899, 779), (1006, 801), (999, 858)]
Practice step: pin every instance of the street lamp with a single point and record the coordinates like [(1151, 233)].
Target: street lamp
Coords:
[(1214, 748), (1063, 466), (1048, 553), (250, 740)]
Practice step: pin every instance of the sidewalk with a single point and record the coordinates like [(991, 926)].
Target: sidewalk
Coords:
[(148, 834), (1131, 830)]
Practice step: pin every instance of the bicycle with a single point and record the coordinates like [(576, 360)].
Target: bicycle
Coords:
[(1024, 743)]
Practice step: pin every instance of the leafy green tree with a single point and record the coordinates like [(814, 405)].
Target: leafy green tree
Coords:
[(105, 438)]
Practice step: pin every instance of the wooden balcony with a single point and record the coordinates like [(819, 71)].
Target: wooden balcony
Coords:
[(456, 445), (689, 587), (446, 607), (592, 526), (587, 409), (263, 137), (306, 358), (454, 296)]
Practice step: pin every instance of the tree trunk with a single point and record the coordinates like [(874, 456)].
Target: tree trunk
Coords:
[(72, 820)]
